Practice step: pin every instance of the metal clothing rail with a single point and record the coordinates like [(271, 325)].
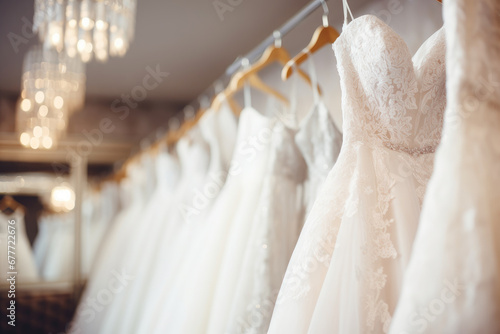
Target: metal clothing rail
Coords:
[(203, 100), (283, 30), (253, 55)]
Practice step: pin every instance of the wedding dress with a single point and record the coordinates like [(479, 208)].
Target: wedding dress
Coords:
[(104, 207), (193, 154), (141, 253), (90, 213), (251, 249), (452, 285), (219, 130), (270, 239), (110, 263), (345, 273), (151, 266), (189, 241), (279, 216), (22, 254), (233, 206), (55, 241), (319, 140), (54, 247), (42, 243)]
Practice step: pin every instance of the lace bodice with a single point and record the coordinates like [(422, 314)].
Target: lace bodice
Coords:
[(388, 97), (288, 161), (319, 140)]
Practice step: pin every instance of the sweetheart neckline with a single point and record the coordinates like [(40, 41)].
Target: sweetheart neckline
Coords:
[(346, 26)]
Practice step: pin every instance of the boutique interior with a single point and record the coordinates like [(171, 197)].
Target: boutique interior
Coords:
[(249, 167)]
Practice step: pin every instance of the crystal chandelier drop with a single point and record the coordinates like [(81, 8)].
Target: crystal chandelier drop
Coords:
[(53, 86), (86, 27)]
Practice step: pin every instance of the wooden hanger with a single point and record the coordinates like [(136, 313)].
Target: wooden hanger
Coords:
[(324, 35), (219, 98), (274, 53), (8, 202), (238, 81)]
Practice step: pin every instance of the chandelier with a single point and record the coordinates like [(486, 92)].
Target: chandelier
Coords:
[(86, 27), (52, 87)]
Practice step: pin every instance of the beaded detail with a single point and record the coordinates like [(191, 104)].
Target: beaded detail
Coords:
[(411, 151)]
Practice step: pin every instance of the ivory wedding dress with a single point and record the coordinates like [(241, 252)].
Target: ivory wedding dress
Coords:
[(452, 283), (345, 273)]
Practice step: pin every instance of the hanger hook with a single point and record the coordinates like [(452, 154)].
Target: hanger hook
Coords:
[(245, 63), (277, 38), (325, 13)]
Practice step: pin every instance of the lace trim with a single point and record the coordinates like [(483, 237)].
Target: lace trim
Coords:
[(411, 151)]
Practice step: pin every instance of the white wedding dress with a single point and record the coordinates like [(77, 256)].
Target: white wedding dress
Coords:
[(54, 246), (452, 283), (270, 239), (218, 129), (290, 185), (345, 273), (109, 262), (254, 261), (141, 253), (103, 208), (21, 254), (319, 140), (193, 152), (233, 207)]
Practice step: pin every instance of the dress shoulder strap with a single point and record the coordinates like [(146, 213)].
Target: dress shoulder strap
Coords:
[(314, 78), (347, 12)]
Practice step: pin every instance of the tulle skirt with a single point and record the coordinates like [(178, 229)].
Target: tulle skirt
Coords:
[(346, 270)]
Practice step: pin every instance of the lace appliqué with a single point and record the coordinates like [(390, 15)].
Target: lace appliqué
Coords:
[(378, 246)]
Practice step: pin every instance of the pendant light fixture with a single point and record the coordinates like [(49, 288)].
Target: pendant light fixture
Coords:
[(86, 27)]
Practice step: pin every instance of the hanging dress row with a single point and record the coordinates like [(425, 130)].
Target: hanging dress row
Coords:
[(271, 224)]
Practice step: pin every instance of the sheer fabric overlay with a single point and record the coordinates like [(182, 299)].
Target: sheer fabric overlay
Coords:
[(346, 271)]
